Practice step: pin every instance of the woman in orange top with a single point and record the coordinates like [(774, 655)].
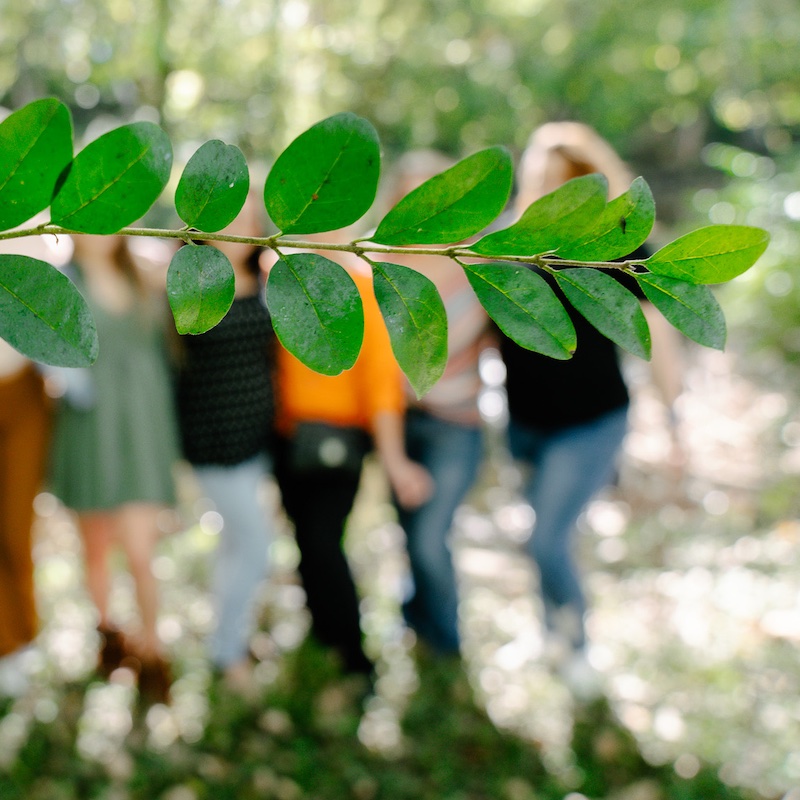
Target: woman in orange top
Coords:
[(318, 467)]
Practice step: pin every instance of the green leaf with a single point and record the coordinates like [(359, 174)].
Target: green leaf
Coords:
[(200, 287), (524, 307), (114, 180), (609, 306), (416, 321), (43, 315), (316, 311), (623, 226), (213, 186), (689, 307), (551, 221), (453, 205), (714, 254), (326, 178), (35, 146)]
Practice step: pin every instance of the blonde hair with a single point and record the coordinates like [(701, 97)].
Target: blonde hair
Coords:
[(581, 147), (413, 168)]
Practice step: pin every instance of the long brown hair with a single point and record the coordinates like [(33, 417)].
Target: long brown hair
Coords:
[(120, 258), (124, 262), (582, 149)]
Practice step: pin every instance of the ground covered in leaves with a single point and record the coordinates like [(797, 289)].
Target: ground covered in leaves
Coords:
[(695, 586)]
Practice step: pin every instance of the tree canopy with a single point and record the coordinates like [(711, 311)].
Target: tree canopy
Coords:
[(658, 82)]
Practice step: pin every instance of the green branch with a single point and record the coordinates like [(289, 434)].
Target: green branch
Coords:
[(574, 234), (356, 246)]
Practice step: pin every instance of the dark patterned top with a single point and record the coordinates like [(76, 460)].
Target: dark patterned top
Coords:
[(225, 400)]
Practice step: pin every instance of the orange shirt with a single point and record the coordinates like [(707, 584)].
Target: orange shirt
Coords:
[(374, 384)]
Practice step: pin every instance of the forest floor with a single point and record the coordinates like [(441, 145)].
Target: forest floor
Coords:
[(694, 582)]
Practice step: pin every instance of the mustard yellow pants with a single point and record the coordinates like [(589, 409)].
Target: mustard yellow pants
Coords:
[(24, 429)]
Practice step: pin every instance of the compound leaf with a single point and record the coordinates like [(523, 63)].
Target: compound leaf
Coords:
[(200, 288), (451, 206), (713, 254), (114, 180), (316, 311), (416, 321), (689, 307), (43, 315), (524, 307), (326, 178), (551, 221), (624, 225), (609, 306), (213, 186), (35, 147)]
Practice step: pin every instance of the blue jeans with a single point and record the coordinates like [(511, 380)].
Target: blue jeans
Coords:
[(240, 563), (452, 454), (569, 466)]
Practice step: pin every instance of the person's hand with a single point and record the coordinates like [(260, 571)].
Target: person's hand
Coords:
[(676, 456), (411, 483)]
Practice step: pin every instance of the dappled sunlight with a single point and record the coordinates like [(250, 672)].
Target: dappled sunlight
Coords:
[(107, 719), (695, 670), (693, 622)]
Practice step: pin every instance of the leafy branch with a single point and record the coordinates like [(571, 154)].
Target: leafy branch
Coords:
[(325, 180), (356, 246)]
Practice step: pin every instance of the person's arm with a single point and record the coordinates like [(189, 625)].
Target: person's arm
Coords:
[(381, 391), (666, 362), (411, 482), (666, 371)]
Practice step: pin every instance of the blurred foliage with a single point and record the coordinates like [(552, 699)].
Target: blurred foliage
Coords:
[(289, 746), (658, 81), (762, 307), (694, 618)]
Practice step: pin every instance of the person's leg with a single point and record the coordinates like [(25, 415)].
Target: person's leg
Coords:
[(137, 528), (97, 532), (319, 503), (451, 453), (241, 559), (570, 466)]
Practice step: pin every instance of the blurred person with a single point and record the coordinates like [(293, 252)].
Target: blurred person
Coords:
[(568, 418), (225, 409), (114, 446), (326, 425), (442, 431), (24, 429)]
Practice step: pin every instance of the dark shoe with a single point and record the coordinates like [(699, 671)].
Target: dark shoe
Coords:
[(155, 679), (356, 662), (113, 650)]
